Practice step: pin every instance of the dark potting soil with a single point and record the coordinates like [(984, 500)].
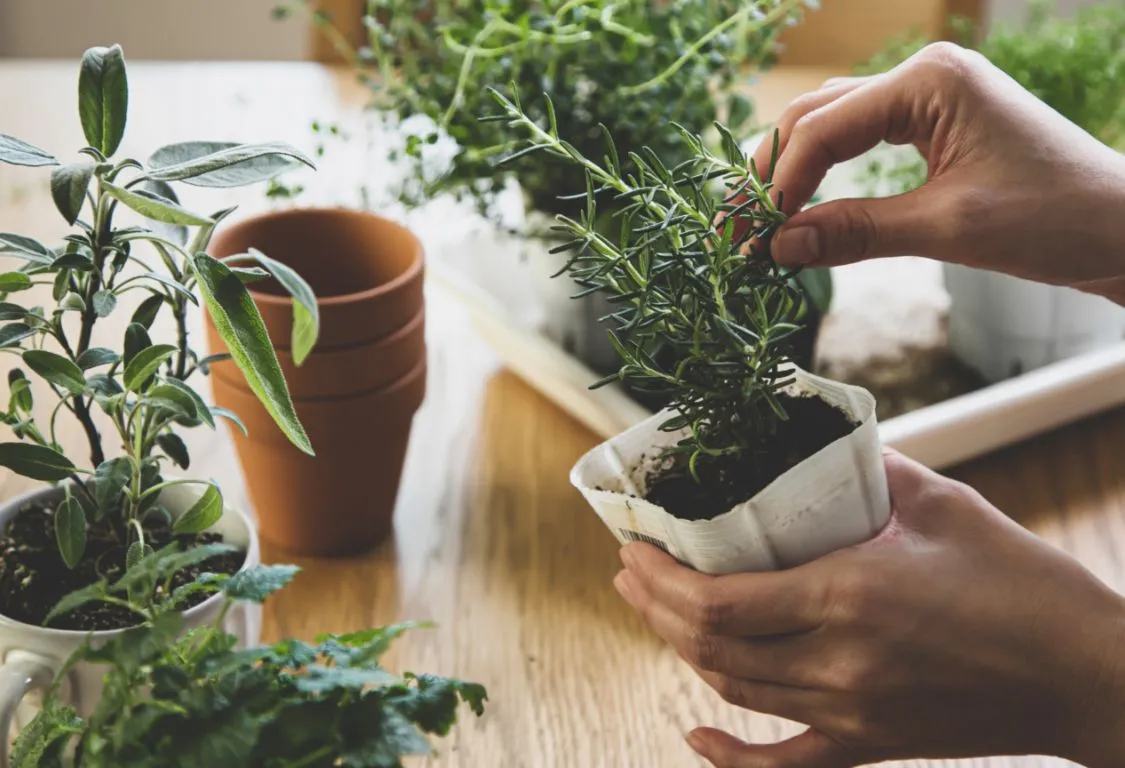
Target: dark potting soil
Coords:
[(812, 425), (33, 576)]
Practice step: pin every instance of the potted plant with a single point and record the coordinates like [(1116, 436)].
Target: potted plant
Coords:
[(634, 66), (1001, 325), (175, 699), (97, 522), (755, 464)]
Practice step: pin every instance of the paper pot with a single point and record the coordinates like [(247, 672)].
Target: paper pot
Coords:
[(836, 498), (32, 656), (1003, 326), (342, 500)]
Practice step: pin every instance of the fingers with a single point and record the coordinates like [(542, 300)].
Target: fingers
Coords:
[(769, 659), (797, 704), (811, 749), (738, 605), (847, 231)]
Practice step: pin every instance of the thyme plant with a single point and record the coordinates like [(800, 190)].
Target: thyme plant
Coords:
[(139, 390), (680, 281), (179, 699), (634, 63)]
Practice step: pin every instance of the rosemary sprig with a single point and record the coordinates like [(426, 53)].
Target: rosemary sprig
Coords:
[(696, 319)]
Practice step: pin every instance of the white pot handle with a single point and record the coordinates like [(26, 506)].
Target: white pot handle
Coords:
[(20, 674)]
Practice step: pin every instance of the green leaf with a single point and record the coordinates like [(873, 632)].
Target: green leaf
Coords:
[(95, 356), (70, 530), (250, 274), (240, 325), (166, 562), (9, 311), (223, 164), (72, 302), (144, 364), (68, 188), (73, 260), (16, 152), (35, 461), (203, 514), (104, 303), (201, 411), (174, 398), (110, 479), (258, 583), (306, 315), (146, 312), (174, 447), (53, 723), (137, 551), (175, 285), (175, 233), (26, 248), (136, 340), (56, 369), (13, 333), (319, 678), (152, 207), (103, 98), (230, 416), (10, 282), (817, 286), (19, 391)]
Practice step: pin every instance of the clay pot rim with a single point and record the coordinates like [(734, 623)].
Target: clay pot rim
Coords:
[(392, 388), (394, 285)]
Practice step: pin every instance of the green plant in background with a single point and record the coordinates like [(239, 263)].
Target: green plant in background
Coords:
[(1075, 64), (140, 387), (191, 700), (679, 279), (635, 64)]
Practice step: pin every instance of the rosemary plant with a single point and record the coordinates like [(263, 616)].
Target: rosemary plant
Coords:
[(138, 391), (681, 282), (192, 700)]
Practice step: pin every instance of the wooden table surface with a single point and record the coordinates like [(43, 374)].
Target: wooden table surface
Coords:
[(491, 541)]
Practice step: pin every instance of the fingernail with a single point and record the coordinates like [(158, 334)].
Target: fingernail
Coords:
[(693, 740), (621, 583), (797, 246)]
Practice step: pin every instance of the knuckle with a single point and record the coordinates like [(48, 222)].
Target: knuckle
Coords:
[(798, 112), (857, 597), (712, 612), (704, 652), (731, 690), (858, 233), (945, 62)]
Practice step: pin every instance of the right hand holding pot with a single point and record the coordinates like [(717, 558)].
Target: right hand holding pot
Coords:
[(1013, 186), (954, 633)]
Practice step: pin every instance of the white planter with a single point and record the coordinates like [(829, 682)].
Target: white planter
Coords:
[(836, 498), (1003, 326), (32, 656)]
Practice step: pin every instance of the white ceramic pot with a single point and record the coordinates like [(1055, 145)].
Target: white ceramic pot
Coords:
[(834, 499), (1003, 326), (32, 656)]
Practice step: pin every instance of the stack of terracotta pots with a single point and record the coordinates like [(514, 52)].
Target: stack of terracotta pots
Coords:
[(356, 393)]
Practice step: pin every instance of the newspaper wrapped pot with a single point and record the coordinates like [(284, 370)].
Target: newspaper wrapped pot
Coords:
[(834, 499)]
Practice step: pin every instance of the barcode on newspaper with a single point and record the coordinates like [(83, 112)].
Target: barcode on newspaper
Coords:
[(634, 536)]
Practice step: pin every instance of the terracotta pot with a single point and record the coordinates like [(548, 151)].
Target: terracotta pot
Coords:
[(341, 501), (340, 372), (366, 271)]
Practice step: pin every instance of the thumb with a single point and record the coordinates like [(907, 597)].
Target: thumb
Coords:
[(812, 749), (851, 230)]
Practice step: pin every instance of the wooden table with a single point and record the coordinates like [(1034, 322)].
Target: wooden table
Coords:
[(491, 541)]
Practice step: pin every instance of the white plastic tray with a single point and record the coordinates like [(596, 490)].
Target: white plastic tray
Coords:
[(939, 436)]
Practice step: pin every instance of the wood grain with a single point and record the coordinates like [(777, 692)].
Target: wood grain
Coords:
[(491, 542)]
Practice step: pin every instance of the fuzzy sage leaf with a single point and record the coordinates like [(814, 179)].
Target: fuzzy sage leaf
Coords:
[(103, 98)]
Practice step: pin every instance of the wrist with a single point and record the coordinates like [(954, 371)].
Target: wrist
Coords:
[(1097, 738)]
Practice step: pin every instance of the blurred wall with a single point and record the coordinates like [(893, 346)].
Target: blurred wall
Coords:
[(150, 29)]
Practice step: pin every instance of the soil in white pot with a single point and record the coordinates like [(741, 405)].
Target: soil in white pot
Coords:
[(728, 481), (33, 576)]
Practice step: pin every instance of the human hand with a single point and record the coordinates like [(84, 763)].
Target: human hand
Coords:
[(1013, 186), (954, 633)]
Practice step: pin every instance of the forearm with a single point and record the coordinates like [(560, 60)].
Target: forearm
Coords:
[(1098, 739)]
